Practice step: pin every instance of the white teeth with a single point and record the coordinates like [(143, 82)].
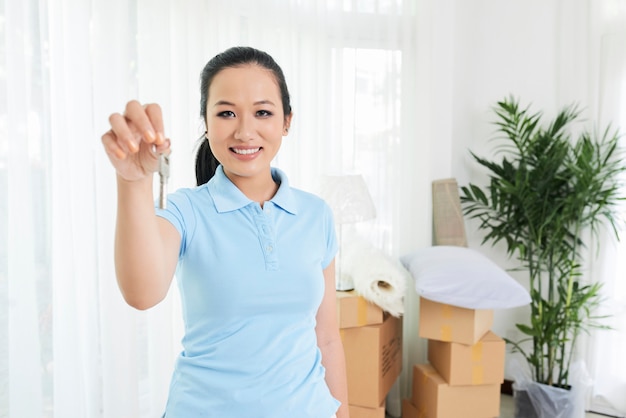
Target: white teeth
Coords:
[(246, 151)]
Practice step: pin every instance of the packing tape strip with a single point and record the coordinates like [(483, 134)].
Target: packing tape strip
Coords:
[(478, 375), (446, 333), (446, 330), (361, 311), (477, 352)]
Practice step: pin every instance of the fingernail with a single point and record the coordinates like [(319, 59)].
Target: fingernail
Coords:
[(132, 147), (160, 138), (150, 135), (120, 154)]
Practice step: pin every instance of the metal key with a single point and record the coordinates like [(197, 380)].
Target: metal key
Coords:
[(164, 174)]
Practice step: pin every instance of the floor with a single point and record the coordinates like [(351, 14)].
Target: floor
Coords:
[(507, 408)]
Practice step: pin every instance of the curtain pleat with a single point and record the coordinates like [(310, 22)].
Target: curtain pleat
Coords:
[(23, 169), (606, 348)]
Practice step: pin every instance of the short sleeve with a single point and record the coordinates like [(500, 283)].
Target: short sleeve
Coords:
[(179, 212), (332, 245)]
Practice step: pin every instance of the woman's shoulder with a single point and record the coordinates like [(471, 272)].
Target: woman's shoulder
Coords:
[(301, 197), (310, 201), (307, 196), (190, 196), (192, 191)]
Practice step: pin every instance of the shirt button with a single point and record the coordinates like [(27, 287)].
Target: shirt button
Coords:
[(269, 248)]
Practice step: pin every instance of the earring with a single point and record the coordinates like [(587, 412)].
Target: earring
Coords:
[(206, 135)]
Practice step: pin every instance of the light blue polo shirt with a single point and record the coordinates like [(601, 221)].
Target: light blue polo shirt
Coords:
[(251, 283)]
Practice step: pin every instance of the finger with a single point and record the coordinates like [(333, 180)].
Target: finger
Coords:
[(112, 147), (155, 115), (164, 147), (123, 133), (136, 114)]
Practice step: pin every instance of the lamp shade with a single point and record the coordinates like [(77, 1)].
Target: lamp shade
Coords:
[(348, 197)]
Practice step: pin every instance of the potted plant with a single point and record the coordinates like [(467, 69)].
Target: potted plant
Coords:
[(548, 189)]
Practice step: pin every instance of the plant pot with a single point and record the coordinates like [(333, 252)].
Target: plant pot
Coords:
[(523, 405), (537, 400)]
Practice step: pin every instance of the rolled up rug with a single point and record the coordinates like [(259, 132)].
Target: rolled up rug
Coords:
[(377, 277)]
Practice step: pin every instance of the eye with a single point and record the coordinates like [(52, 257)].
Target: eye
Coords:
[(264, 113), (226, 114)]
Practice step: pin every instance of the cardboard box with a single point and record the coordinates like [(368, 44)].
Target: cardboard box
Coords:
[(409, 410), (365, 412), (354, 311), (442, 322), (461, 364), (434, 398), (373, 360)]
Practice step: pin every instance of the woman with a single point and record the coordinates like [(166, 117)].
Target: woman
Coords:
[(254, 258)]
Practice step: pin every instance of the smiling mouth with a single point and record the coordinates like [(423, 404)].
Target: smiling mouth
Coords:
[(246, 151)]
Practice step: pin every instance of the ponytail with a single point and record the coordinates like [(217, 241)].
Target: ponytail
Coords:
[(206, 163)]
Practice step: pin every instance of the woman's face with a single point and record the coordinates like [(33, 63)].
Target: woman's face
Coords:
[(245, 120)]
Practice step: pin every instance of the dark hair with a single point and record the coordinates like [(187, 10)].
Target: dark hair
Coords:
[(239, 56)]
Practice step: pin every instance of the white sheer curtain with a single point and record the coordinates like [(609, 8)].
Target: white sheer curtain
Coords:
[(69, 346), (607, 348)]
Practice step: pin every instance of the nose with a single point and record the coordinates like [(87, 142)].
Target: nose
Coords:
[(245, 128)]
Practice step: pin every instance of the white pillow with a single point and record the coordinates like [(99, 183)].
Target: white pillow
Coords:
[(463, 277)]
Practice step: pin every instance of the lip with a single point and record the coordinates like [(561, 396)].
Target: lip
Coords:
[(248, 152)]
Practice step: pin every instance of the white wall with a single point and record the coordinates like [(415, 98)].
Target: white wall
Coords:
[(535, 50), (470, 55)]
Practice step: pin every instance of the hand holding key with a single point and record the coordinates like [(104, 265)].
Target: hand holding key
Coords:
[(136, 140)]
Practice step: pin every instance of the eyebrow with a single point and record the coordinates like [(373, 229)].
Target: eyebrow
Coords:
[(227, 103)]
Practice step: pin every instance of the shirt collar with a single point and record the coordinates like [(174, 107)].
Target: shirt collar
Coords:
[(228, 197)]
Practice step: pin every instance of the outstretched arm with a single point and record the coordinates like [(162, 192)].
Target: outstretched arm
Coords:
[(146, 246)]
